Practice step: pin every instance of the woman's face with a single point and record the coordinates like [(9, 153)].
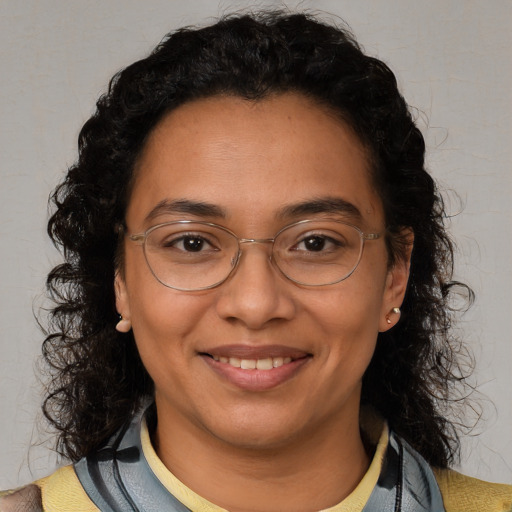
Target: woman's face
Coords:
[(259, 166)]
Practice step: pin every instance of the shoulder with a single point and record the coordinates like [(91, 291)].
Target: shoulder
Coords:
[(59, 492), (27, 499), (465, 494)]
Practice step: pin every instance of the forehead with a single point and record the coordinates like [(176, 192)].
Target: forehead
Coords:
[(252, 159)]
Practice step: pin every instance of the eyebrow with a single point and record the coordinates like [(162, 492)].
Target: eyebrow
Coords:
[(329, 205), (198, 208), (332, 205)]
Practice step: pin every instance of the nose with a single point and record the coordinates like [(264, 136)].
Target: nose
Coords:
[(256, 293)]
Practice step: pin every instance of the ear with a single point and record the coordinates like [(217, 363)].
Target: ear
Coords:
[(396, 284), (122, 304)]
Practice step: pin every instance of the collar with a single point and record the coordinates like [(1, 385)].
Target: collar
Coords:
[(127, 475)]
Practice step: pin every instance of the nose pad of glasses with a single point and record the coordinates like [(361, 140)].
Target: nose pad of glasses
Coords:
[(235, 260)]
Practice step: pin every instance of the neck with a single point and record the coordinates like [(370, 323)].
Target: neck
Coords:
[(313, 471)]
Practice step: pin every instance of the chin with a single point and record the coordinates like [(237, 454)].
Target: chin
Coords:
[(253, 433), (256, 441)]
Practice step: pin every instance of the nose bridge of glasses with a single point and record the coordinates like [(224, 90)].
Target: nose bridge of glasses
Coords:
[(256, 240), (261, 241)]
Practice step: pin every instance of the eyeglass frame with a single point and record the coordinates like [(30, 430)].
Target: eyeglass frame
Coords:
[(140, 239)]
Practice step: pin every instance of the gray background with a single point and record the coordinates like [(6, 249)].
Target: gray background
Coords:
[(454, 64)]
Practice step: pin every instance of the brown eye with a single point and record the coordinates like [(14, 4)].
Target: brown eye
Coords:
[(314, 243), (187, 242), (318, 243), (191, 244)]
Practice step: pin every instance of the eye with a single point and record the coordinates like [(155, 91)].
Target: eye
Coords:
[(313, 243), (318, 243), (188, 242)]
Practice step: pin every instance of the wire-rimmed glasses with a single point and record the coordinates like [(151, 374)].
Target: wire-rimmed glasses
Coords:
[(191, 255)]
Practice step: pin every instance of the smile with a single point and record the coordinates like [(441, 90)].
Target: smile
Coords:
[(267, 363), (256, 368)]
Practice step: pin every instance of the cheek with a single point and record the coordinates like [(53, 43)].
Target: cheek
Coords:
[(163, 319), (346, 319), (347, 308), (159, 315), (166, 318), (164, 326)]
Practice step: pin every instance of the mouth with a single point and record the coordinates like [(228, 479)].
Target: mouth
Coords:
[(267, 363), (248, 357), (256, 368)]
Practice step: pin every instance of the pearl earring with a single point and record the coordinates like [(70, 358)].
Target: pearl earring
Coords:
[(395, 311), (124, 325)]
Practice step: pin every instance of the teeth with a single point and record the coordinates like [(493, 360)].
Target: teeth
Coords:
[(248, 364), (277, 362), (235, 361), (264, 364), (252, 364)]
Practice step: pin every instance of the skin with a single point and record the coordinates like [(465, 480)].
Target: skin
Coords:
[(297, 445)]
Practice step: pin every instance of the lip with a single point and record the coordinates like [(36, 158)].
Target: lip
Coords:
[(256, 380)]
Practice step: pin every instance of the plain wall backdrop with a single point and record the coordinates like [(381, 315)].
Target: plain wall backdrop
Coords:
[(453, 60)]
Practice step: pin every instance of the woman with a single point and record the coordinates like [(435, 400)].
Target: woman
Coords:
[(254, 309)]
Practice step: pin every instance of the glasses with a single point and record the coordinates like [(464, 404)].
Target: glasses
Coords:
[(190, 255)]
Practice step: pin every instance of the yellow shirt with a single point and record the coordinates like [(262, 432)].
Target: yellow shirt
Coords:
[(352, 503), (62, 491)]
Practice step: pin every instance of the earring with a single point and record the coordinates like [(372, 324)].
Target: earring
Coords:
[(124, 325), (395, 311)]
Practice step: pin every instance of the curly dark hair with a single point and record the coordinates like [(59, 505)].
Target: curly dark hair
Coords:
[(97, 377)]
